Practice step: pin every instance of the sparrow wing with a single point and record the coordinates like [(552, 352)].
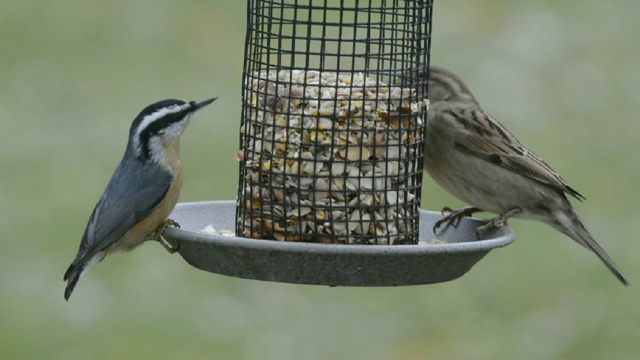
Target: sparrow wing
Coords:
[(486, 138)]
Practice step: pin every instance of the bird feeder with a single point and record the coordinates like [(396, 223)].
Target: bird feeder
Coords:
[(331, 147), (331, 154)]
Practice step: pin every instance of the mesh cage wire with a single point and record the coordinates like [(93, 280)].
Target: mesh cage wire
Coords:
[(333, 120)]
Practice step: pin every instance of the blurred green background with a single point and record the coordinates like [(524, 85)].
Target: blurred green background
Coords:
[(563, 76)]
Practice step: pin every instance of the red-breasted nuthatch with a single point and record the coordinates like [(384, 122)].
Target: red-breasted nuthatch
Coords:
[(143, 190)]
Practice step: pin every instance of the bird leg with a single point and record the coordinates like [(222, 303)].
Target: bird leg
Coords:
[(496, 223), (454, 216), (157, 235)]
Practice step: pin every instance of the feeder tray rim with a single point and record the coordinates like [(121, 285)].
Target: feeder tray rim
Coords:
[(503, 239)]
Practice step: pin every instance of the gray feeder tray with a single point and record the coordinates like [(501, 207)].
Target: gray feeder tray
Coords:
[(328, 264)]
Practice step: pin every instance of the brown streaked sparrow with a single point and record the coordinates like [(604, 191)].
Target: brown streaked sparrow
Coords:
[(472, 156)]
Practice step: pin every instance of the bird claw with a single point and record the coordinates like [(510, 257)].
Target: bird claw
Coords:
[(454, 217), (490, 226), (169, 222), (446, 209), (157, 235)]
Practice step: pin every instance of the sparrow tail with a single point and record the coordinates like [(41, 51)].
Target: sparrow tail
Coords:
[(569, 223)]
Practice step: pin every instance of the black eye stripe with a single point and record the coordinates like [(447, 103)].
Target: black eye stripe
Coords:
[(154, 108), (162, 123)]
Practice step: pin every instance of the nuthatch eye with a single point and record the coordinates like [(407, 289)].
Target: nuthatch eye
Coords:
[(143, 190)]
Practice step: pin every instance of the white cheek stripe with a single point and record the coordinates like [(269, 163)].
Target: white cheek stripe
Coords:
[(156, 150)]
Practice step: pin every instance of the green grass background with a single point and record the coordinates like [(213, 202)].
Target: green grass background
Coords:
[(563, 76)]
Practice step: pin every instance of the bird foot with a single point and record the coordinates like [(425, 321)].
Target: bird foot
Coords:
[(157, 235), (454, 217), (483, 232)]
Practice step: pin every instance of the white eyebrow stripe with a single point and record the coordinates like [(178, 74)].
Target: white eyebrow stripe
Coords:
[(151, 118)]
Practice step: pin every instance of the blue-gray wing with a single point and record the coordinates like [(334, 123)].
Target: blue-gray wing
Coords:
[(134, 191)]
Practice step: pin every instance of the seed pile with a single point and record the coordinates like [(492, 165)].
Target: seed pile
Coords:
[(329, 157)]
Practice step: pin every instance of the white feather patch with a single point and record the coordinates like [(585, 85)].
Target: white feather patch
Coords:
[(95, 260)]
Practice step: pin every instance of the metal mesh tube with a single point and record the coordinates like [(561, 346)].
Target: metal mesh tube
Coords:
[(332, 139)]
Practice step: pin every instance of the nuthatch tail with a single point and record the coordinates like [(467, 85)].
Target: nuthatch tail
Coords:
[(143, 190)]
